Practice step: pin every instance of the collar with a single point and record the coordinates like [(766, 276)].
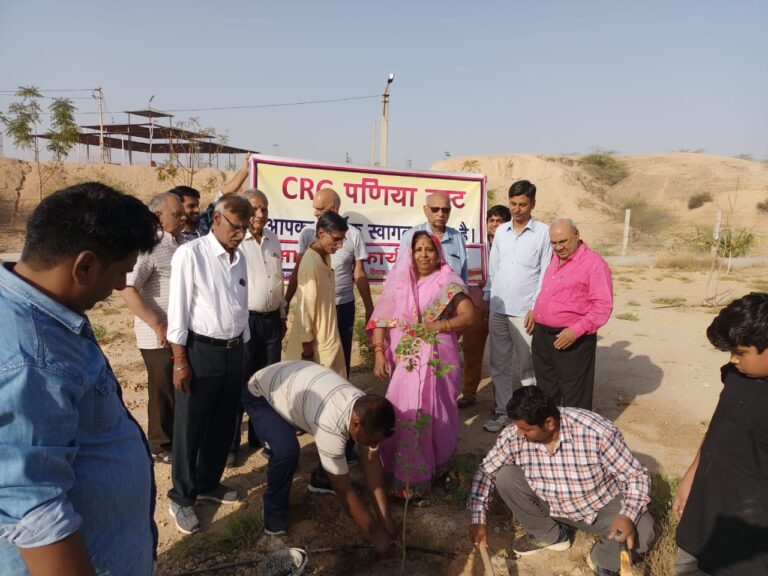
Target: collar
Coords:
[(219, 250), (578, 255), (509, 226), (34, 297)]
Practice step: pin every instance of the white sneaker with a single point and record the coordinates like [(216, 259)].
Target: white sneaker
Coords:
[(496, 424)]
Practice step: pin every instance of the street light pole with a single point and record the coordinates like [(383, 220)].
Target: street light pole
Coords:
[(385, 121)]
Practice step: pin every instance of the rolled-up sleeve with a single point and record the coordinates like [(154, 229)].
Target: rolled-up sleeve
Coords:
[(38, 424)]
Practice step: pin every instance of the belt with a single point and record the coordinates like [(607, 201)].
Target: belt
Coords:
[(549, 329), (216, 341), (262, 314)]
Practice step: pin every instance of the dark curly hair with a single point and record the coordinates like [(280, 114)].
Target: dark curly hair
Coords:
[(744, 322)]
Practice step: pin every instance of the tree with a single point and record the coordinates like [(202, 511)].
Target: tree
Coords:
[(181, 167), (22, 124), (471, 166)]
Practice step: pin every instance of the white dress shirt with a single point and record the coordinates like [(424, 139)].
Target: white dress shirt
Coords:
[(265, 272), (209, 293), (516, 267)]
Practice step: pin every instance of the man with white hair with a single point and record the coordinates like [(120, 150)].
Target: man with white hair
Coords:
[(146, 294), (207, 329), (437, 209), (575, 300)]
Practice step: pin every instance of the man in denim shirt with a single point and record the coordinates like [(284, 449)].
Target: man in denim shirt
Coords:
[(76, 485)]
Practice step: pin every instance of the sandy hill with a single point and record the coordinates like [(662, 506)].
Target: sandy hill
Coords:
[(661, 183)]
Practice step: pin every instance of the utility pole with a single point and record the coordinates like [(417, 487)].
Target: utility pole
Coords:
[(385, 121), (100, 99)]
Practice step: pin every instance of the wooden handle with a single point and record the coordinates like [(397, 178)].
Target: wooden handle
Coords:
[(486, 561), (626, 563)]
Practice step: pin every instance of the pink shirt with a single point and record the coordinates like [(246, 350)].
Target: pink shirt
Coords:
[(577, 294)]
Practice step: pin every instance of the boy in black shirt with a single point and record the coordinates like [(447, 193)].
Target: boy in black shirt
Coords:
[(722, 500)]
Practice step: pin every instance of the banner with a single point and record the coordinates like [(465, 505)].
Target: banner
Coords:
[(381, 203)]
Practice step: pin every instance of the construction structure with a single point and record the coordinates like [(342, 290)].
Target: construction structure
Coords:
[(151, 136)]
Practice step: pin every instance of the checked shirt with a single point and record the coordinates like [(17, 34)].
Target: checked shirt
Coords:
[(591, 465)]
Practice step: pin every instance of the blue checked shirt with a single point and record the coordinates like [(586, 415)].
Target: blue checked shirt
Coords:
[(590, 466)]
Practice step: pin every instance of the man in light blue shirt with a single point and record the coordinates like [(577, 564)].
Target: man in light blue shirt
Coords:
[(519, 257), (437, 209), (76, 484)]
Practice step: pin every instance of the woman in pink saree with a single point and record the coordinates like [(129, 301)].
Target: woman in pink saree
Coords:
[(414, 329)]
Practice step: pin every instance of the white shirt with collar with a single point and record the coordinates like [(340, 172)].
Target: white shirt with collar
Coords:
[(265, 272), (209, 293), (516, 267)]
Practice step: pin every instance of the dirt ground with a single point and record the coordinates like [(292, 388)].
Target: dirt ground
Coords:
[(657, 378)]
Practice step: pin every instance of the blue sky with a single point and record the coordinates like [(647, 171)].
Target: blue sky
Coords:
[(535, 76)]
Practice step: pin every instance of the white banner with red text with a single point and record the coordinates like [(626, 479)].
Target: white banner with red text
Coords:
[(381, 203)]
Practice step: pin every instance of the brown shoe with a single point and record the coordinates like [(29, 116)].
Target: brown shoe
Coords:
[(465, 401)]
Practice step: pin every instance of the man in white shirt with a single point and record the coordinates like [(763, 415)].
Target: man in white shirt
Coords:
[(519, 257), (207, 329), (304, 395), (348, 270), (266, 304), (146, 295)]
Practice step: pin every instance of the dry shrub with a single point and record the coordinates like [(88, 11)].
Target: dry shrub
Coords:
[(660, 561), (698, 200), (605, 168), (686, 261)]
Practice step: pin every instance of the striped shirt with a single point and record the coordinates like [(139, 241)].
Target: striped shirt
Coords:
[(314, 399), (151, 277), (591, 465)]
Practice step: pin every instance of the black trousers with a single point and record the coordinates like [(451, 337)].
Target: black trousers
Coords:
[(160, 403), (264, 348), (345, 318), (202, 429), (567, 376)]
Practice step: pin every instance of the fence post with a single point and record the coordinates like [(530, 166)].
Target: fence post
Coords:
[(716, 234), (625, 240)]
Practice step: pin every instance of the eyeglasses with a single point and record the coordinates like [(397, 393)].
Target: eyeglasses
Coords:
[(436, 209), (242, 229)]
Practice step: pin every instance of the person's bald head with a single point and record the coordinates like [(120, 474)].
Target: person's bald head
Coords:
[(564, 237), (326, 200), (437, 209)]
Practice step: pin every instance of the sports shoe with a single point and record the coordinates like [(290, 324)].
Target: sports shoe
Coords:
[(526, 545), (268, 532), (320, 485), (222, 494), (185, 518), (163, 457), (465, 401), (496, 424)]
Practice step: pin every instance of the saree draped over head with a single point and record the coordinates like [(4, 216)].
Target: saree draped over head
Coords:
[(427, 422)]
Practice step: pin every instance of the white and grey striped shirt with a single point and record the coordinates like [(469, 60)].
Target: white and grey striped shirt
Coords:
[(151, 277), (315, 399)]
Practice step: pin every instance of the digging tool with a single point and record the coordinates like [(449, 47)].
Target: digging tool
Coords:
[(487, 560), (624, 560)]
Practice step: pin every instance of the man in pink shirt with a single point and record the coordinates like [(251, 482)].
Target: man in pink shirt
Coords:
[(575, 300)]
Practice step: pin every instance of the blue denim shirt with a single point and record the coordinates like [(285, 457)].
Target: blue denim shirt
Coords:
[(454, 247), (72, 456)]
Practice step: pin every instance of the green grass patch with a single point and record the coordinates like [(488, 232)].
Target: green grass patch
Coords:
[(633, 303), (660, 561), (631, 316), (100, 332), (624, 279), (238, 531)]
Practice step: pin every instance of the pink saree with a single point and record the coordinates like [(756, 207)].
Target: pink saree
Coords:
[(427, 421)]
